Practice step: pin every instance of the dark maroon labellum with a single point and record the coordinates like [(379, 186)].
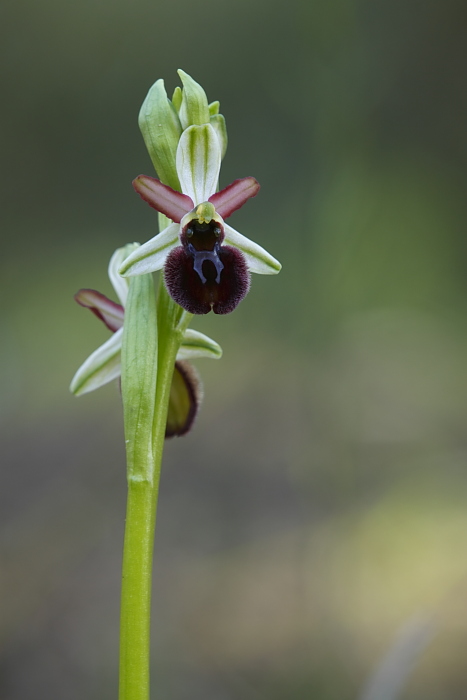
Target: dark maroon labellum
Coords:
[(224, 282), (203, 274)]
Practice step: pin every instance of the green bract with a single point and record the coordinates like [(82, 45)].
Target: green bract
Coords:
[(139, 375), (161, 129)]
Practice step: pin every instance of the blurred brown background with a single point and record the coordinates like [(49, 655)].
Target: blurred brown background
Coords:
[(313, 527)]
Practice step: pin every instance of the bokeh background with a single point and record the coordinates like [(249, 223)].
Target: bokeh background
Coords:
[(312, 529)]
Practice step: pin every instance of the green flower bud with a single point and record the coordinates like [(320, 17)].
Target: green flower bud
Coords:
[(194, 108), (161, 129), (177, 98), (214, 108)]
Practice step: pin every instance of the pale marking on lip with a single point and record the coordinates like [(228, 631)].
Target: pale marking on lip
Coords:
[(200, 256)]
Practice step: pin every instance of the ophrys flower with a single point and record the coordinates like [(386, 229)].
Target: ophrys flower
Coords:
[(206, 262)]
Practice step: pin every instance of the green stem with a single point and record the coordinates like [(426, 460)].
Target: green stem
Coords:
[(145, 423), (136, 590)]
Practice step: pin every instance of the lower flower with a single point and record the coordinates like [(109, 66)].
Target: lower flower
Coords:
[(104, 364)]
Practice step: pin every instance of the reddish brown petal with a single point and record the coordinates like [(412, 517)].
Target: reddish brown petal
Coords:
[(107, 310), (162, 197), (234, 196), (198, 296)]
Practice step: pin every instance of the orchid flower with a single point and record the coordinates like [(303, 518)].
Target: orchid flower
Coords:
[(206, 262), (104, 364)]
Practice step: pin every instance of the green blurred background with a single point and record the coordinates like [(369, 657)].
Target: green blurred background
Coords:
[(312, 529)]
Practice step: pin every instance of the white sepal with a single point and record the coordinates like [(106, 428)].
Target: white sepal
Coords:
[(152, 255), (257, 258), (100, 368), (199, 162), (119, 283), (196, 344)]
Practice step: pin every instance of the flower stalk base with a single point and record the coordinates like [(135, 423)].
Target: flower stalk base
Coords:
[(159, 330)]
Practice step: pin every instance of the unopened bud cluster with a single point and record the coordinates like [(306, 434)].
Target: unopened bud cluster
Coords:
[(162, 122)]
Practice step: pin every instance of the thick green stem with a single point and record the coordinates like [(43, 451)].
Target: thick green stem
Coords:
[(136, 590), (148, 359)]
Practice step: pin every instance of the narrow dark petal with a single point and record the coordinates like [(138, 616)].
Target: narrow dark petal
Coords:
[(185, 399), (234, 196), (220, 287), (107, 310), (162, 197)]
